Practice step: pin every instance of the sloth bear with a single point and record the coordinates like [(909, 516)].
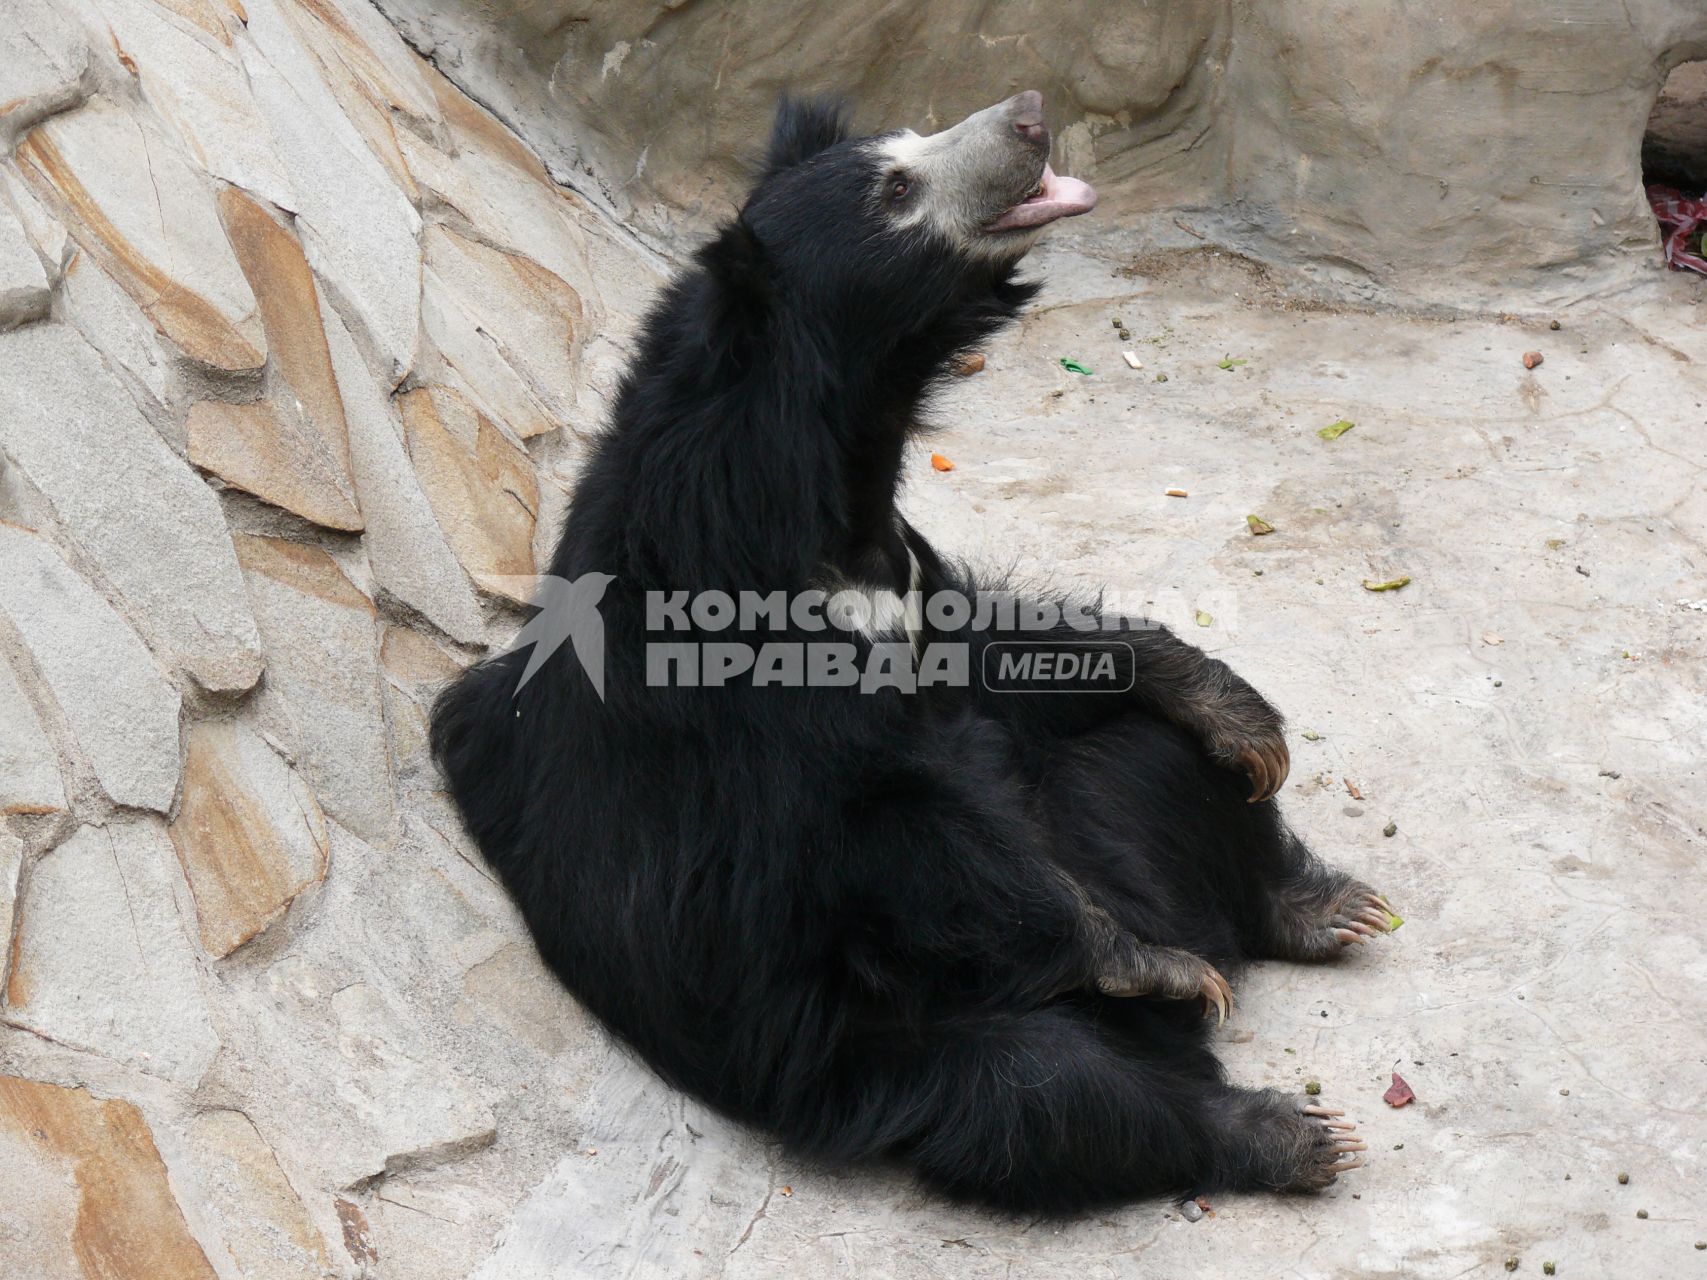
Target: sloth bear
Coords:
[(965, 925)]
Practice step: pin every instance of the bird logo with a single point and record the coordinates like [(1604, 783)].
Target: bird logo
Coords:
[(566, 611)]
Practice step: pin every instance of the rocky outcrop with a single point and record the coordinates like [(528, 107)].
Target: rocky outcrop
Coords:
[(1436, 154), (294, 336)]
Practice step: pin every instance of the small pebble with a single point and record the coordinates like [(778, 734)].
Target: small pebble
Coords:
[(1623, 1179), (1398, 1146), (1701, 1244), (1642, 1213), (1547, 1268), (1564, 1093), (1499, 684), (1555, 326), (1511, 1264), (1126, 335), (1313, 1088), (1391, 829), (1117, 322), (1161, 377), (1532, 358), (1190, 1212)]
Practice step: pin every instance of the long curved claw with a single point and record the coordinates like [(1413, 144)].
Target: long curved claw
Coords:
[(1350, 1144), (1356, 1162), (1346, 937), (1256, 768), (1217, 997), (1315, 1109), (1267, 766)]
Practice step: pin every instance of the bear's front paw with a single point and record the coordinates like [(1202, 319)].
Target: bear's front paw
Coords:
[(1141, 970), (1260, 752)]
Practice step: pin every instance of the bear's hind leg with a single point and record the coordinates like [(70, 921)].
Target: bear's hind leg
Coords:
[(1053, 1111)]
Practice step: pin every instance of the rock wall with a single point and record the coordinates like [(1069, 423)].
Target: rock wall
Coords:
[(1458, 153), (297, 346)]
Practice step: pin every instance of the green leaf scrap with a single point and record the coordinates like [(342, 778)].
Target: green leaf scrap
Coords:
[(1227, 362), (1392, 584), (1258, 525), (1334, 430), (1073, 366), (1204, 619)]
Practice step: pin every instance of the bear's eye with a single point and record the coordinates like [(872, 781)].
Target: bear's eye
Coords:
[(898, 188)]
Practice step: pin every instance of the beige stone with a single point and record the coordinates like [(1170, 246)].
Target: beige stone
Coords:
[(293, 449), (86, 1193), (24, 295), (253, 448), (122, 711), (29, 766), (357, 225), (101, 959), (371, 73), (112, 323), (482, 487), (44, 61), (321, 637), (191, 76), (531, 318), (411, 560), (11, 866), (130, 504), (250, 1202), (249, 833), (132, 200), (470, 362)]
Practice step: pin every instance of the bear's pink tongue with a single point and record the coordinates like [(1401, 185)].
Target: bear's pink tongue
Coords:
[(1060, 198)]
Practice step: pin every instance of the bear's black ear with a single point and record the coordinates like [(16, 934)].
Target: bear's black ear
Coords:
[(803, 128)]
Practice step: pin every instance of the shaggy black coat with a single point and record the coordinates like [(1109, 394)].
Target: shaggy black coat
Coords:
[(881, 925)]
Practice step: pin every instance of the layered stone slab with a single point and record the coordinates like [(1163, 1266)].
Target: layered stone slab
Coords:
[(250, 1203), (86, 1192), (293, 448), (407, 550), (44, 58), (358, 227), (123, 712), (529, 318), (133, 201), (190, 74), (101, 959), (482, 487), (321, 636), (24, 294), (128, 501), (249, 833), (29, 766)]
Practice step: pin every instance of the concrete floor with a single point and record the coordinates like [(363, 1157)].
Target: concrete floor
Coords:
[(1530, 713)]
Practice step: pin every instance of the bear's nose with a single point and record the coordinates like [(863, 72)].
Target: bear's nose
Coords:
[(1027, 117)]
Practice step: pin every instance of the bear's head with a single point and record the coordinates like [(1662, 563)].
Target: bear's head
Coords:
[(876, 240)]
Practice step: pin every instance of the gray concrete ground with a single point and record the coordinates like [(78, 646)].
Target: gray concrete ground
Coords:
[(1528, 713)]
